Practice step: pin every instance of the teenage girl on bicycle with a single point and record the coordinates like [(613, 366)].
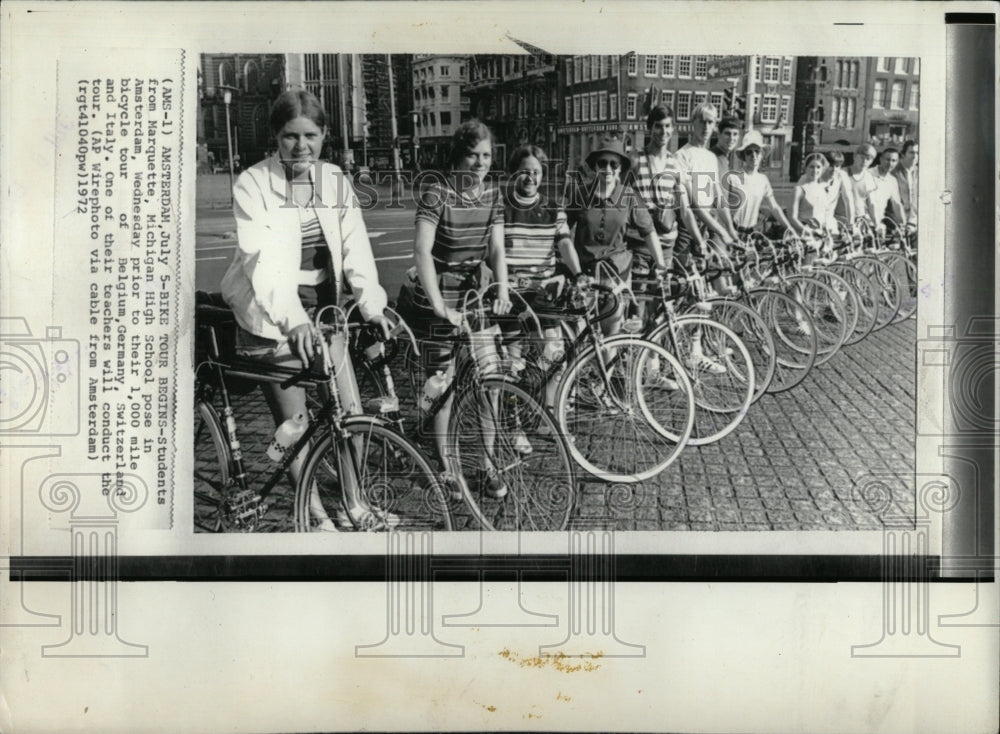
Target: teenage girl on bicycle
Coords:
[(459, 226), (300, 233), (536, 236)]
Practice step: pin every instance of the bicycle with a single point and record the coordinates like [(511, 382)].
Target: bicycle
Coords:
[(498, 435), (790, 326), (715, 360), (344, 454), (620, 422)]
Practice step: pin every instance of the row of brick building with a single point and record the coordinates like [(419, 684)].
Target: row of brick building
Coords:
[(562, 103)]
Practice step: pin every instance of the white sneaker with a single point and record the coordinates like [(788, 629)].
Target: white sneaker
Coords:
[(521, 443), (699, 362), (803, 328), (660, 381)]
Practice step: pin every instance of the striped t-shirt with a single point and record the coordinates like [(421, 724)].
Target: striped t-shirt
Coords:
[(462, 223), (315, 256), (532, 229)]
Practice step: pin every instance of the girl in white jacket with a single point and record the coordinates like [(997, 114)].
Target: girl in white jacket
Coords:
[(300, 235)]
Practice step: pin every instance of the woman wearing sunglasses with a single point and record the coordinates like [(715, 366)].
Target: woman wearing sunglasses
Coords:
[(600, 213)]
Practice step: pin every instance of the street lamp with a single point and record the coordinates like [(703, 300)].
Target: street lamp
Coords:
[(227, 98)]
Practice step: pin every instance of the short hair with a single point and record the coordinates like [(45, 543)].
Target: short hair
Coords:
[(745, 153), (729, 123), (296, 103), (659, 112), (907, 145), (887, 151), (468, 135), (864, 148), (526, 151), (836, 157), (698, 113)]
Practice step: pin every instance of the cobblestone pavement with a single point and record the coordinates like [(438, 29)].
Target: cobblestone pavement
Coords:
[(794, 463)]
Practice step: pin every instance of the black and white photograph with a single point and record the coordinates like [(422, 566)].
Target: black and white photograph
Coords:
[(461, 365), (670, 292)]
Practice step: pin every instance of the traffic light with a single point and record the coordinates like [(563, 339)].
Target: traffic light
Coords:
[(735, 103)]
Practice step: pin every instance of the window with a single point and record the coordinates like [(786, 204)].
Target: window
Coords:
[(251, 79), (879, 100), (444, 92), (445, 71), (908, 66), (854, 67), (716, 100), (595, 67), (851, 120), (416, 76), (759, 68), (578, 69), (461, 71), (632, 64), (684, 67), (593, 105), (786, 104), (786, 70), (602, 98), (613, 105), (630, 107), (769, 108), (700, 67), (603, 66), (845, 112), (226, 74), (569, 72), (652, 64), (433, 122), (577, 109), (684, 105), (700, 98), (835, 112), (915, 96), (898, 95), (900, 66), (840, 78), (585, 107), (522, 105), (445, 118), (615, 66), (430, 91), (883, 63), (568, 106), (670, 100), (585, 67), (772, 69), (667, 65)]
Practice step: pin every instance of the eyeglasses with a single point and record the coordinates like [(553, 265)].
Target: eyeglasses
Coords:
[(611, 163)]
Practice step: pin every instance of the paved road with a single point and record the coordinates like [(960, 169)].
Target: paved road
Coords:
[(793, 463)]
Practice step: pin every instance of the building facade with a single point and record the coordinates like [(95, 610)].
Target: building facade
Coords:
[(336, 80), (439, 105), (378, 142), (893, 88), (613, 94), (831, 107), (253, 82)]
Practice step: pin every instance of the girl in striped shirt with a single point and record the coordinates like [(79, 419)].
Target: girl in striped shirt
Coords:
[(459, 226), (534, 232)]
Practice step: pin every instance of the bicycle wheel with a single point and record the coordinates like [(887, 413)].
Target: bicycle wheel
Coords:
[(847, 295), (501, 436), (889, 285), (822, 303), (634, 424), (906, 274), (752, 330), (720, 369), (867, 294), (391, 474), (212, 470), (794, 347)]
